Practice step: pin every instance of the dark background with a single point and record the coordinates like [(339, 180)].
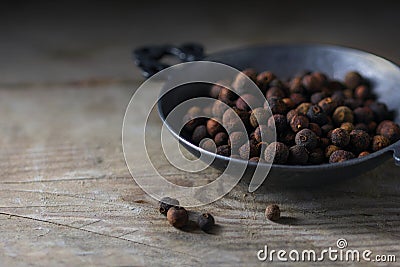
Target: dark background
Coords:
[(47, 41)]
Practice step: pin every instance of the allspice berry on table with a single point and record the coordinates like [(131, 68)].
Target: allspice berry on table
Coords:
[(272, 212), (205, 222), (177, 217)]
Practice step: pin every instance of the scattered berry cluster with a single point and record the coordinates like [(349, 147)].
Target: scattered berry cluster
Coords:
[(317, 120), (178, 216)]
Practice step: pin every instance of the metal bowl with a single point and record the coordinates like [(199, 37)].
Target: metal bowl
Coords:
[(285, 61)]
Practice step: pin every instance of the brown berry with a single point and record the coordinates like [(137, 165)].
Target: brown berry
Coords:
[(390, 130), (307, 138), (341, 156), (379, 142), (352, 79), (166, 203), (272, 212), (276, 152), (298, 155), (213, 127), (343, 114), (221, 138), (177, 217), (259, 116), (359, 140), (340, 137), (299, 122)]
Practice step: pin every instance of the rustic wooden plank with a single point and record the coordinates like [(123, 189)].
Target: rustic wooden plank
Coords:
[(66, 195)]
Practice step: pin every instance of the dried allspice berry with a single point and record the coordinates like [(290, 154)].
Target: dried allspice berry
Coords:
[(259, 116), (273, 212), (343, 114), (177, 217), (299, 122), (379, 142), (340, 156), (298, 155), (166, 203), (206, 222), (276, 152), (340, 137), (307, 138), (359, 140), (390, 130)]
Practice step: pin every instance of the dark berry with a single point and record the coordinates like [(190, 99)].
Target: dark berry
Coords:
[(390, 130), (279, 121), (362, 92), (363, 154), (166, 203), (340, 156), (315, 128), (213, 127), (259, 116), (328, 105), (380, 111), (272, 212), (276, 152), (303, 108), (299, 122), (298, 155), (177, 217), (317, 115), (379, 142), (221, 138), (340, 137), (307, 138), (205, 222), (359, 140), (247, 102), (330, 149), (276, 105), (348, 126), (224, 150), (249, 150), (343, 114), (236, 140), (352, 79), (263, 133), (199, 133), (363, 115), (316, 156), (275, 92)]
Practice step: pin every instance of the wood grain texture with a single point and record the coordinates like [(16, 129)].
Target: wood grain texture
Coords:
[(67, 197)]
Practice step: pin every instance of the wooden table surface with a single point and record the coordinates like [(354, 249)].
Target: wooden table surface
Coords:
[(67, 197)]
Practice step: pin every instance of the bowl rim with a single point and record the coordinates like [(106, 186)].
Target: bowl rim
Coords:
[(301, 168)]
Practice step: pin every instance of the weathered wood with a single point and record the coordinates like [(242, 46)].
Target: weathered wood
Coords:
[(68, 198)]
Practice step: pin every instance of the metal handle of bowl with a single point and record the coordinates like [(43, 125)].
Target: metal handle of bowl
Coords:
[(149, 58)]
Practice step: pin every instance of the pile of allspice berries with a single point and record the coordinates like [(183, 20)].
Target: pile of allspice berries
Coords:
[(317, 120)]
